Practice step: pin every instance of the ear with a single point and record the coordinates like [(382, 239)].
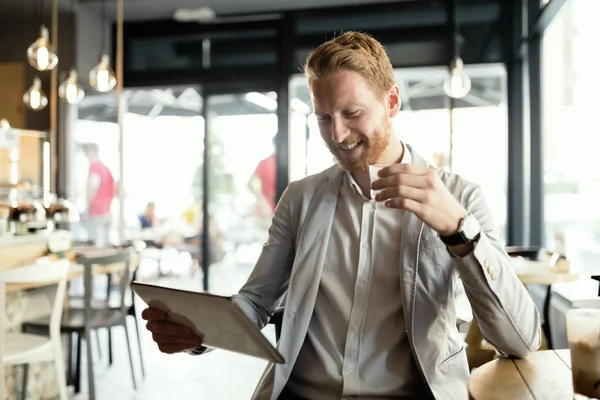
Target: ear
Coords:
[(394, 101)]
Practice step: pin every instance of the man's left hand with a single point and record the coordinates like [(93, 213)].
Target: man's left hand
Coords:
[(420, 190)]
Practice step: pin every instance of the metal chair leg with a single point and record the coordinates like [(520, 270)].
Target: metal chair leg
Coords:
[(90, 366), (98, 347), (137, 331), (110, 352), (129, 354), (24, 382), (78, 365)]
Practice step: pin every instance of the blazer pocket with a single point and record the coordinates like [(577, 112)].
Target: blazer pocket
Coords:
[(431, 242), (452, 357)]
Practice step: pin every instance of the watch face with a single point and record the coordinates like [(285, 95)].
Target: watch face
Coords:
[(470, 227)]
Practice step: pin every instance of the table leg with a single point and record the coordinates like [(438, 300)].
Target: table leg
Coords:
[(546, 325)]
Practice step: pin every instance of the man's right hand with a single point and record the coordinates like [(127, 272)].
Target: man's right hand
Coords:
[(170, 336)]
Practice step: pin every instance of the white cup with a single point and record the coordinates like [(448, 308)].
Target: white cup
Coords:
[(373, 176), (583, 333)]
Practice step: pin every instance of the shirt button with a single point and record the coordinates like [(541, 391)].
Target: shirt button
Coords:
[(349, 371), (487, 263), (494, 276), (365, 245), (361, 287), (355, 328)]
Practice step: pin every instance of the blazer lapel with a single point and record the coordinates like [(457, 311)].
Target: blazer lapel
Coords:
[(306, 273)]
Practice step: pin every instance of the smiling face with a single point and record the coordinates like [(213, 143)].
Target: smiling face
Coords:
[(354, 122)]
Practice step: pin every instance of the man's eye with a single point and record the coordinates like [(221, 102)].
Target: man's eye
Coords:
[(353, 113), (323, 118)]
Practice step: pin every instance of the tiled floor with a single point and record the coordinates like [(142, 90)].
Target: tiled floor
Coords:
[(218, 375)]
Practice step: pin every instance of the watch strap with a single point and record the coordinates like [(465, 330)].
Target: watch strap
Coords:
[(458, 238)]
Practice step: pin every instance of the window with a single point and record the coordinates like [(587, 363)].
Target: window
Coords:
[(570, 88), (471, 140)]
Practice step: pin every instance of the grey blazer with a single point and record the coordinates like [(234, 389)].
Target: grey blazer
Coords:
[(291, 263)]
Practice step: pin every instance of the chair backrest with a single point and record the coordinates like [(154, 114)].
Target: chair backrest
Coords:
[(38, 273), (50, 273), (531, 253), (121, 259)]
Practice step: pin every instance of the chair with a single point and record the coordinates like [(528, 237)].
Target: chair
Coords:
[(24, 348), (82, 321), (139, 246), (530, 253), (277, 320)]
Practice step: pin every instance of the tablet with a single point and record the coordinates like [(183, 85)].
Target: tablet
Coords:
[(222, 323)]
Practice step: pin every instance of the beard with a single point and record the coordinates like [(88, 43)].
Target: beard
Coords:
[(373, 148)]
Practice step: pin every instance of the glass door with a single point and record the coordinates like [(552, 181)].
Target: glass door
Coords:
[(163, 148), (240, 189)]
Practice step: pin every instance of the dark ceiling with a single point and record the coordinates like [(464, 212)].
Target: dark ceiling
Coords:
[(135, 10)]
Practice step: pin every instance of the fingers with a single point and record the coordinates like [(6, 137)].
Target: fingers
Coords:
[(411, 169), (168, 328), (171, 348), (415, 181), (154, 314), (406, 192), (406, 204), (176, 344), (188, 340), (169, 336)]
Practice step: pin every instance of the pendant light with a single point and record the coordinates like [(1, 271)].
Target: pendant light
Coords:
[(34, 98), (4, 125), (457, 84), (102, 77), (70, 89), (41, 54)]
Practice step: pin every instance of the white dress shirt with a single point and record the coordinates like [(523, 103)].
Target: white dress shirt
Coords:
[(356, 345)]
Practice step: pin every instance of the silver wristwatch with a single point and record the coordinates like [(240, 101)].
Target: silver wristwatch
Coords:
[(469, 230)]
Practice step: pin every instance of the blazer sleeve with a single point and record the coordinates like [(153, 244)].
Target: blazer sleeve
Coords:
[(262, 294), (502, 306)]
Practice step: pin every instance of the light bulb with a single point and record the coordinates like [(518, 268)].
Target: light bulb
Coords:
[(102, 78), (35, 98), (41, 54), (457, 84), (71, 90)]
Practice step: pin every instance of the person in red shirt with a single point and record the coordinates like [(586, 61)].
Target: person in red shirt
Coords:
[(101, 190), (262, 185)]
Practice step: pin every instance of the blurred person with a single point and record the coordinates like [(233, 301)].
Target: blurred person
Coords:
[(148, 218), (262, 184), (368, 279), (101, 190)]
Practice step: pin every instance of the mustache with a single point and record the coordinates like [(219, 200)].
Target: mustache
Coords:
[(352, 141)]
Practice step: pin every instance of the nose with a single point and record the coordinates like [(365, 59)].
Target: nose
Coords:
[(339, 130)]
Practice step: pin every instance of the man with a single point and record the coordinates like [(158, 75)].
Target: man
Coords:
[(101, 190), (368, 283), (263, 185)]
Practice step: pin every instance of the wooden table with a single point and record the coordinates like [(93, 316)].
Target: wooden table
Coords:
[(528, 272), (76, 270), (543, 375)]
